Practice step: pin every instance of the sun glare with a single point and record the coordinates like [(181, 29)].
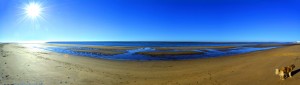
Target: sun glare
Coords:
[(33, 10)]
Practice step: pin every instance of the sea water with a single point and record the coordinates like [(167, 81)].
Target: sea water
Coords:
[(167, 44)]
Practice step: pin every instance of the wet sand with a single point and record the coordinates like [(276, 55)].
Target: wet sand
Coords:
[(159, 51), (174, 53), (20, 65)]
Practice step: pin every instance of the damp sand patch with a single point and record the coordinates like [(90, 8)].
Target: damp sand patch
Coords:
[(171, 53)]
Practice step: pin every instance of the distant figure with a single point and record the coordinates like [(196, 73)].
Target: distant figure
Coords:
[(285, 72)]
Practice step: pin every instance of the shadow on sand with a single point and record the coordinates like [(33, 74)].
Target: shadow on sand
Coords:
[(295, 72)]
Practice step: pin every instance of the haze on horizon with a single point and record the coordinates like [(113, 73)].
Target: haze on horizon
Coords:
[(149, 20)]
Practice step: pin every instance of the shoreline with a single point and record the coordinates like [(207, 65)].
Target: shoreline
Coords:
[(29, 66), (151, 53)]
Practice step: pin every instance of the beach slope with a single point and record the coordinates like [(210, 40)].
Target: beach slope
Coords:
[(21, 65)]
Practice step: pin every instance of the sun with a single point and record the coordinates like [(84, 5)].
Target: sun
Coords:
[(33, 10)]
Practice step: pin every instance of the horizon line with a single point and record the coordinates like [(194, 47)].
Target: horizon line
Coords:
[(133, 41)]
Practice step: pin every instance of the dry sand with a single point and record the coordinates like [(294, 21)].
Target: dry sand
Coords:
[(20, 65)]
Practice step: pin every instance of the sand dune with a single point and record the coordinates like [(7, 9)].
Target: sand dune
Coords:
[(21, 65)]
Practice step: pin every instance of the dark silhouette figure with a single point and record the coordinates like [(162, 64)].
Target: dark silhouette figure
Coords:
[(295, 72)]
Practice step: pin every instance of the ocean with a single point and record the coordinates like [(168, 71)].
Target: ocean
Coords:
[(167, 44)]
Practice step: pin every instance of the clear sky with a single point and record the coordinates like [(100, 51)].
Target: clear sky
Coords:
[(151, 20)]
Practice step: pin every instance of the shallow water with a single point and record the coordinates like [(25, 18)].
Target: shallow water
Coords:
[(132, 54), (168, 44)]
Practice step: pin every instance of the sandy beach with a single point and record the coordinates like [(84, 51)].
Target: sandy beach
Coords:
[(20, 65)]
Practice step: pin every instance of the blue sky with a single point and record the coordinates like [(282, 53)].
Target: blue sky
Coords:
[(152, 20)]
